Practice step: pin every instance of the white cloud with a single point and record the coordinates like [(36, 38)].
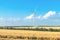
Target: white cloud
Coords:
[(9, 19), (56, 20), (29, 17), (1, 18), (48, 14), (13, 19), (39, 17)]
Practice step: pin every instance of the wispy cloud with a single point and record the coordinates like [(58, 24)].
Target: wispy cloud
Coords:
[(29, 17), (1, 18), (47, 15), (9, 19), (39, 17), (13, 19), (56, 20), (18, 21)]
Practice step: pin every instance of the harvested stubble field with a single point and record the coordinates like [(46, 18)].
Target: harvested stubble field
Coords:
[(28, 35)]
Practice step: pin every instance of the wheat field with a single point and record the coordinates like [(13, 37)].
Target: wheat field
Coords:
[(26, 34)]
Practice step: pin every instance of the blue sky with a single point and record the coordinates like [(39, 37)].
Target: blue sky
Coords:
[(29, 12)]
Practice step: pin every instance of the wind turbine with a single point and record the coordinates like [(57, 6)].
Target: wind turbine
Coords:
[(34, 12)]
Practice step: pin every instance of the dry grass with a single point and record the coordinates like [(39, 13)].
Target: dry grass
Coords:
[(26, 33)]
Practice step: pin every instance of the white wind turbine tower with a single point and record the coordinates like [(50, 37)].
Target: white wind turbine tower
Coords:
[(34, 17), (34, 12)]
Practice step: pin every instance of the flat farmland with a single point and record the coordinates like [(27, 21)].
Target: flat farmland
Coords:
[(39, 27), (28, 35)]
